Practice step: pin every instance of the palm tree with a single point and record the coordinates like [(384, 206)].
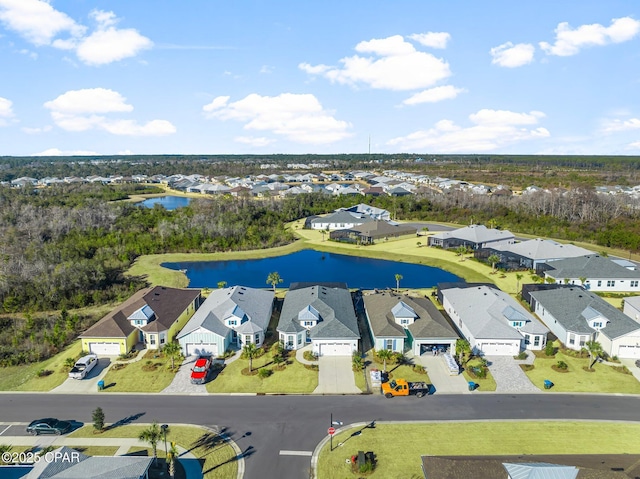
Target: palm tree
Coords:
[(398, 278), (152, 435), (595, 350), (493, 259), (583, 280), (222, 284), (250, 350), (566, 280), (173, 351), (385, 354), (172, 456), (273, 279), (463, 349), (518, 278)]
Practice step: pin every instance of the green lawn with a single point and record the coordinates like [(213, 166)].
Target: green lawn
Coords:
[(486, 384), (135, 377), (217, 456), (399, 458), (604, 379), (25, 377), (406, 372), (96, 450), (294, 379)]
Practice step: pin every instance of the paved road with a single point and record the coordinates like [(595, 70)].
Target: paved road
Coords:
[(264, 426)]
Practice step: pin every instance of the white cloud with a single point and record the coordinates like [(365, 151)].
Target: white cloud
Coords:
[(109, 44), (432, 39), (58, 152), (266, 69), (492, 129), (253, 141), (395, 65), (297, 117), (37, 130), (610, 126), (39, 23), (634, 146), (125, 152), (511, 56), (433, 95), (82, 110), (6, 111), (569, 41)]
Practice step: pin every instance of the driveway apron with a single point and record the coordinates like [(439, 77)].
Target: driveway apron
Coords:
[(442, 381), (509, 377), (90, 383), (335, 376), (181, 383)]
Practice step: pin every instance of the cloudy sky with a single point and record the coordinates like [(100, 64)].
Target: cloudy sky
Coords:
[(208, 77)]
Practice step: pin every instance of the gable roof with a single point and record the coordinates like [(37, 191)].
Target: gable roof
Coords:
[(539, 248), (338, 318), (249, 304), (342, 217), (592, 266), (430, 323), (487, 311), (477, 234), (573, 307), (380, 228)]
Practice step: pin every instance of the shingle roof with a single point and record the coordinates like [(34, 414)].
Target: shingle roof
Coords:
[(572, 306), (430, 323), (477, 234), (593, 266), (341, 217), (539, 248), (338, 319), (486, 311), (253, 305), (540, 470), (380, 228)]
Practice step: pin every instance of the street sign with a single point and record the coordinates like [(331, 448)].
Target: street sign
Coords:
[(331, 431)]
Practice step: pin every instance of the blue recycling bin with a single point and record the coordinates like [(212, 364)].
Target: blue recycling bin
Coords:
[(472, 386), (548, 384), (100, 385)]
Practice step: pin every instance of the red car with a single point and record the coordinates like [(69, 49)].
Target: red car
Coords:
[(200, 370)]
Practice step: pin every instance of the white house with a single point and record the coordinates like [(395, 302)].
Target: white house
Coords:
[(631, 307), (597, 272), (576, 316), (492, 321), (229, 317), (322, 316), (338, 220)]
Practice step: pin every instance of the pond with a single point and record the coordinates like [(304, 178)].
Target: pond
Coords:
[(168, 202), (312, 266)]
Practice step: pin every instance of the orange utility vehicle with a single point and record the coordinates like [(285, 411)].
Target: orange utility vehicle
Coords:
[(400, 387)]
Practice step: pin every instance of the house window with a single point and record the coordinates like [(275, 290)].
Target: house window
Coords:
[(404, 321), (582, 341), (389, 344), (299, 339), (139, 322), (152, 339), (257, 341), (536, 340), (290, 341), (597, 325), (599, 283), (247, 339), (634, 284), (611, 284), (308, 323), (233, 322), (162, 339), (572, 339), (526, 339), (517, 324)]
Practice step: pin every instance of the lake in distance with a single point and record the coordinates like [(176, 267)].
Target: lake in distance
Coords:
[(312, 266), (167, 202)]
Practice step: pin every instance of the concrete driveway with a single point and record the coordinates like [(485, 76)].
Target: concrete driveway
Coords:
[(90, 383), (335, 376), (443, 382), (631, 364)]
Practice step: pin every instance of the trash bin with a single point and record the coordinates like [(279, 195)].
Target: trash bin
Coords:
[(547, 384), (472, 386), (100, 385)]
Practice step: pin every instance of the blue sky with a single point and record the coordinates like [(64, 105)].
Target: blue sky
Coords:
[(261, 77)]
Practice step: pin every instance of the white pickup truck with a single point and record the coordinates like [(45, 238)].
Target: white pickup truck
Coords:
[(83, 366)]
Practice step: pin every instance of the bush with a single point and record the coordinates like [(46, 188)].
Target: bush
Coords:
[(357, 363), (44, 372), (527, 367), (622, 369), (521, 356), (259, 352), (309, 356), (417, 368), (549, 350), (264, 373), (562, 365)]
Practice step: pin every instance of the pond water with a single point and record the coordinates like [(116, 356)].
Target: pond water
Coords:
[(168, 202), (312, 266)]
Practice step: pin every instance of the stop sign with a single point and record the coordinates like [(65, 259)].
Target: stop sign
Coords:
[(331, 431)]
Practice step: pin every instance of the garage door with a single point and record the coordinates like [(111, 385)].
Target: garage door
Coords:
[(499, 349), (632, 352), (201, 349), (105, 349), (335, 349)]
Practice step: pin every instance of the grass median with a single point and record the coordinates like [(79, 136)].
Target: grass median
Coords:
[(399, 447)]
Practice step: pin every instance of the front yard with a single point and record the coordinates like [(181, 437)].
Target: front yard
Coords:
[(604, 378), (151, 374), (293, 378), (484, 384), (398, 447)]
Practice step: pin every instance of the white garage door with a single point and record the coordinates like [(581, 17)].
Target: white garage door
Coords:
[(499, 349), (201, 349), (335, 349), (632, 352), (105, 349)]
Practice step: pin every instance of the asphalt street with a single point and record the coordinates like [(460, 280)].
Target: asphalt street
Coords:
[(270, 430)]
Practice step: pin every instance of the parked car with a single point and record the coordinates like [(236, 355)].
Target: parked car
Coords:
[(638, 363), (200, 370), (83, 366), (48, 425)]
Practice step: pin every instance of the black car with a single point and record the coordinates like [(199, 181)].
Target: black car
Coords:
[(48, 425)]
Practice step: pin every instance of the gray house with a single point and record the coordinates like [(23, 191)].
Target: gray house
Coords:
[(576, 316), (401, 323), (474, 237), (321, 315), (229, 317), (597, 272)]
